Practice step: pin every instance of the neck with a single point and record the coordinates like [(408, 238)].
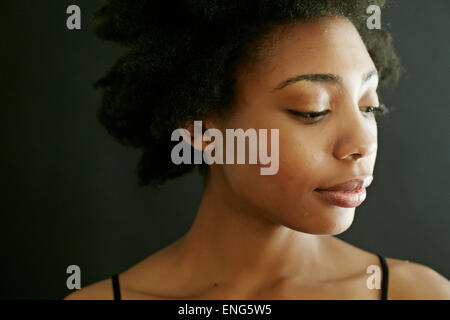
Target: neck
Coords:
[(230, 241)]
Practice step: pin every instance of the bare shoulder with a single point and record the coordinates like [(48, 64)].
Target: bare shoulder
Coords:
[(407, 280), (414, 281), (155, 273), (101, 290)]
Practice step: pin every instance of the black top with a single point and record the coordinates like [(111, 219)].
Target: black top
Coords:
[(384, 284), (385, 277), (116, 286)]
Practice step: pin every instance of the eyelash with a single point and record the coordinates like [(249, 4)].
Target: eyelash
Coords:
[(308, 116)]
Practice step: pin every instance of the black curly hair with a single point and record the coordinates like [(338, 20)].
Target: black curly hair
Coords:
[(182, 60)]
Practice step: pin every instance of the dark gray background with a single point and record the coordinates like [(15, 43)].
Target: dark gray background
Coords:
[(68, 190)]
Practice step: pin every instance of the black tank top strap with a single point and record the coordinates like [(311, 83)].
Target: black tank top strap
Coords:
[(385, 277), (116, 286)]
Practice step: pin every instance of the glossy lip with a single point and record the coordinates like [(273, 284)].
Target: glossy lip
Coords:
[(350, 185), (349, 194)]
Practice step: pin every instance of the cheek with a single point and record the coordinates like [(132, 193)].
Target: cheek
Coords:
[(298, 175), (300, 161)]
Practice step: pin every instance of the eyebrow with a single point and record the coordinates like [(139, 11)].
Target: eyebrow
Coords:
[(323, 77)]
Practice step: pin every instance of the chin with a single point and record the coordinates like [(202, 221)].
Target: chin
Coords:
[(325, 223)]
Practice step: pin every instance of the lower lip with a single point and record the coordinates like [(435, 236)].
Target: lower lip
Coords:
[(348, 199)]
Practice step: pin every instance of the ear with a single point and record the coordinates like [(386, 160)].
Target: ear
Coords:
[(194, 133)]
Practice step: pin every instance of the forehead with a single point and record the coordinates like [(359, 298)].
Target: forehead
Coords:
[(325, 45)]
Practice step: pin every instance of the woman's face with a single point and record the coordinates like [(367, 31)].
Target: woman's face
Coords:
[(319, 153)]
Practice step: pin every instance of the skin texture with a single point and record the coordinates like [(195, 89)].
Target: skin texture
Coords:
[(271, 237)]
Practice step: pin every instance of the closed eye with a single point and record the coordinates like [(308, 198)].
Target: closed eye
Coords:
[(308, 115), (313, 117)]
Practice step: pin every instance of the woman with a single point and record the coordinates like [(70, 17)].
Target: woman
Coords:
[(307, 68)]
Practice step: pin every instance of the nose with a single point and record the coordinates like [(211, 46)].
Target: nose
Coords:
[(357, 136)]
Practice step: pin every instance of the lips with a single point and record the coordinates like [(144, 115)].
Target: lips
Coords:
[(351, 185), (349, 194)]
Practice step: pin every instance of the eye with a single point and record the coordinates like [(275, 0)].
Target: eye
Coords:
[(309, 117)]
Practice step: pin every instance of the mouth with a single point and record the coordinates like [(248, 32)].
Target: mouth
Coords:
[(349, 194)]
